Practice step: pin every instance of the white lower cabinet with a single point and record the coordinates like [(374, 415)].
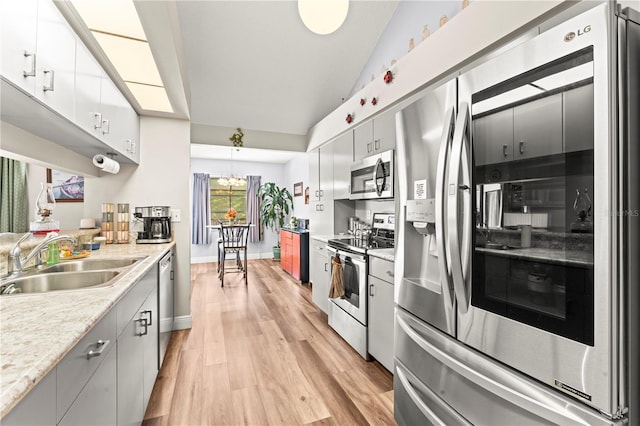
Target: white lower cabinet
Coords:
[(107, 377), (320, 274), (96, 404), (137, 349), (36, 408), (380, 311)]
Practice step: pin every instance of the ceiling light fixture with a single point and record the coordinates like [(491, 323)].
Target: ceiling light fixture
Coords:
[(116, 27), (232, 180), (323, 16)]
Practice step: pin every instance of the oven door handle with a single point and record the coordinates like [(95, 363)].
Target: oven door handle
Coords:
[(444, 157), (347, 254), (459, 233)]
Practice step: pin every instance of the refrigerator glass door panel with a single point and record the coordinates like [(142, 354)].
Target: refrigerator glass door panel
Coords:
[(546, 309), (434, 370), (424, 134)]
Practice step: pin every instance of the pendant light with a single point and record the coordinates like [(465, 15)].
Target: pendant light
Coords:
[(232, 180), (323, 16)]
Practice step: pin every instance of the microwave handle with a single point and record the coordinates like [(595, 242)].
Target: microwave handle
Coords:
[(379, 166)]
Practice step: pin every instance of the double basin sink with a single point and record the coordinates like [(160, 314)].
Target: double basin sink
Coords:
[(70, 275)]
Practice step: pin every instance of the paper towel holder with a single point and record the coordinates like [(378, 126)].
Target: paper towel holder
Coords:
[(109, 164)]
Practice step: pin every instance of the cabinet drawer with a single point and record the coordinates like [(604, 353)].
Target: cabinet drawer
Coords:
[(77, 367), (286, 235), (318, 247), (131, 302), (381, 268)]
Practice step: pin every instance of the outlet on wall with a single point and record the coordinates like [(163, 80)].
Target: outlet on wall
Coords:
[(175, 215)]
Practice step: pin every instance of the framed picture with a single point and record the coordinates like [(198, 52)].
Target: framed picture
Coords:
[(297, 189), (67, 188)]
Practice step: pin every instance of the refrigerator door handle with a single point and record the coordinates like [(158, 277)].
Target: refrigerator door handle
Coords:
[(444, 157), (433, 400), (458, 248)]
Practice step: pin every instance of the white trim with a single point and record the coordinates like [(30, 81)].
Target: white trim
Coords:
[(250, 256), (182, 322)]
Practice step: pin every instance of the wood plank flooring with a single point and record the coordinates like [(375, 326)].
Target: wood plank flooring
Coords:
[(263, 354)]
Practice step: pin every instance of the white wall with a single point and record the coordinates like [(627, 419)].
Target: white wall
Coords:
[(297, 170), (162, 178), (269, 173), (69, 214)]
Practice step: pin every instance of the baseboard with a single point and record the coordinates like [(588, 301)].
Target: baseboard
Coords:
[(182, 322), (250, 256)]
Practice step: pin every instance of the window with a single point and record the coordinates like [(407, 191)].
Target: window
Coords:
[(225, 197)]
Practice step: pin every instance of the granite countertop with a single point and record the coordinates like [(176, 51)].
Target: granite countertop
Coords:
[(546, 255), (326, 238), (387, 253), (39, 329)]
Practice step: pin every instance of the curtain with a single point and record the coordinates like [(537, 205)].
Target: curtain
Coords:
[(14, 216), (201, 214), (253, 208)]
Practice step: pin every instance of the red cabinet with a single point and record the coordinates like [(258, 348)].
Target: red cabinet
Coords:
[(294, 254)]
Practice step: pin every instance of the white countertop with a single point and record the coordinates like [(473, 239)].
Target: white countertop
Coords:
[(326, 238), (387, 253), (39, 329)]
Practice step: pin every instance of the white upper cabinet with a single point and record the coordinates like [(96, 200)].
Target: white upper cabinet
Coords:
[(44, 58), (537, 128), (89, 76), (18, 25), (120, 125), (342, 160), (56, 59), (375, 136)]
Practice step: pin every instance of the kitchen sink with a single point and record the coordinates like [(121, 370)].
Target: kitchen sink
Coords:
[(40, 283), (88, 265)]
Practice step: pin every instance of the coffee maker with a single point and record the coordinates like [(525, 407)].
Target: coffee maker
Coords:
[(157, 224)]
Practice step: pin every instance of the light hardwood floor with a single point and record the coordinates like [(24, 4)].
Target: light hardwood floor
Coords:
[(263, 354)]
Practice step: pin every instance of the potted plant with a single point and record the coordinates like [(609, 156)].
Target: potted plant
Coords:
[(276, 204)]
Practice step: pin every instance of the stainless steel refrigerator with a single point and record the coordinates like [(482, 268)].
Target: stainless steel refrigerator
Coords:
[(516, 293)]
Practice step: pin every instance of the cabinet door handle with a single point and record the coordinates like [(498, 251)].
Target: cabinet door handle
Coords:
[(143, 323), (390, 273), (521, 147), (317, 193), (369, 148), (322, 192), (504, 150), (326, 266), (133, 147), (150, 313), (371, 290), (105, 127), (98, 122), (100, 345), (32, 71), (52, 80), (376, 144)]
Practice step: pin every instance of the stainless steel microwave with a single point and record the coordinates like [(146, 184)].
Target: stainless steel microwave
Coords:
[(372, 177)]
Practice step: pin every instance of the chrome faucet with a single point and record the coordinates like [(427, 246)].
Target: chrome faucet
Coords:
[(17, 262)]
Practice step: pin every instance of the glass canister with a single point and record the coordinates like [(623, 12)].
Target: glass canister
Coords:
[(108, 222), (122, 232)]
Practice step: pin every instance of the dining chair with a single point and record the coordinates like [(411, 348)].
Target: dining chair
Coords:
[(234, 243)]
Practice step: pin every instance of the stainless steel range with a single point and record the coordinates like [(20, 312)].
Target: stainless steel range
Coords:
[(348, 314)]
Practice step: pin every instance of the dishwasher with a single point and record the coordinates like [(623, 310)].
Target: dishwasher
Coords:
[(165, 304)]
